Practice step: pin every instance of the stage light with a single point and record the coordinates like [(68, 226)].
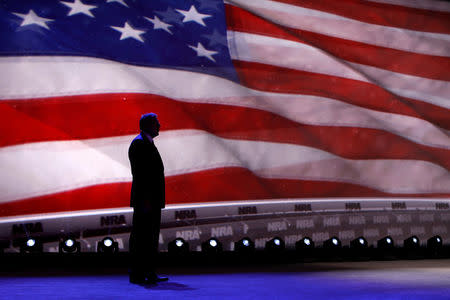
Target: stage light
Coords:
[(332, 243), (434, 242), (69, 245), (411, 242), (212, 246), (31, 245), (359, 243), (304, 243), (275, 245), (107, 245), (245, 245), (178, 246), (385, 243)]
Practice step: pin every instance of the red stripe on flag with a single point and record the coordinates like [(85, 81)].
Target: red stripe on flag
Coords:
[(60, 119), (428, 66), (282, 80), (229, 184)]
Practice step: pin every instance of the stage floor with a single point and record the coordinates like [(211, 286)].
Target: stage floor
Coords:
[(404, 279)]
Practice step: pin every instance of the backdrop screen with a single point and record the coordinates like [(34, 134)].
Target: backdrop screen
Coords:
[(257, 99)]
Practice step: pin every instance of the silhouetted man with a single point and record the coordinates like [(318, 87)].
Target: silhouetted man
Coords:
[(147, 199)]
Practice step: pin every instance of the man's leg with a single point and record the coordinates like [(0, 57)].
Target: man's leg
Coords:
[(153, 239), (152, 255), (137, 237)]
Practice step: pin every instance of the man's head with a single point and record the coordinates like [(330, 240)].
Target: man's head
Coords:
[(149, 124)]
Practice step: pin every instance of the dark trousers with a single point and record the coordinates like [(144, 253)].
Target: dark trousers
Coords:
[(144, 240)]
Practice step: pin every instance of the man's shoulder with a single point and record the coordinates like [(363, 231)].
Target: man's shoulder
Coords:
[(137, 141)]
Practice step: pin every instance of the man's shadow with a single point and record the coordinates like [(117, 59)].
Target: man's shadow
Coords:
[(173, 286)]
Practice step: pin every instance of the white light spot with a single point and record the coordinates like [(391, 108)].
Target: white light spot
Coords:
[(213, 243), (31, 242), (69, 243), (108, 242)]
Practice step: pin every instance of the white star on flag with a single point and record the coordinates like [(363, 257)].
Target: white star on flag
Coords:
[(129, 32), (193, 15), (78, 7), (201, 51), (158, 24), (118, 1), (31, 18)]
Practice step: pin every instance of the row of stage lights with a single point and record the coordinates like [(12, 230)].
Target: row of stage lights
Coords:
[(70, 245), (245, 245)]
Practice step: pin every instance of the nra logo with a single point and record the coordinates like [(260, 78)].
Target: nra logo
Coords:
[(308, 223), (185, 214), (27, 228), (277, 226), (346, 234), (331, 221), (112, 220), (404, 218), (442, 205), (398, 205), (353, 206), (303, 207), (188, 235), (247, 210), (356, 220), (221, 231)]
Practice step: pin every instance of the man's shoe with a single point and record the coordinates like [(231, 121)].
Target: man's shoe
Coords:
[(153, 278), (161, 279)]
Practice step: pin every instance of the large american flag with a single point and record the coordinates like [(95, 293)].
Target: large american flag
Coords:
[(257, 99)]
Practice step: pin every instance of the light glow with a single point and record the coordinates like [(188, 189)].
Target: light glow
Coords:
[(69, 243), (108, 242), (213, 243)]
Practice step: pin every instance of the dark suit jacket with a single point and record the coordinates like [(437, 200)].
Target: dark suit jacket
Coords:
[(148, 187)]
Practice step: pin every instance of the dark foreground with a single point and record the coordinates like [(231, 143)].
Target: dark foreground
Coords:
[(196, 276)]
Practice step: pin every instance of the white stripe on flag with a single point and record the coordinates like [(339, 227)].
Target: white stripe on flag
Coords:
[(50, 167)]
